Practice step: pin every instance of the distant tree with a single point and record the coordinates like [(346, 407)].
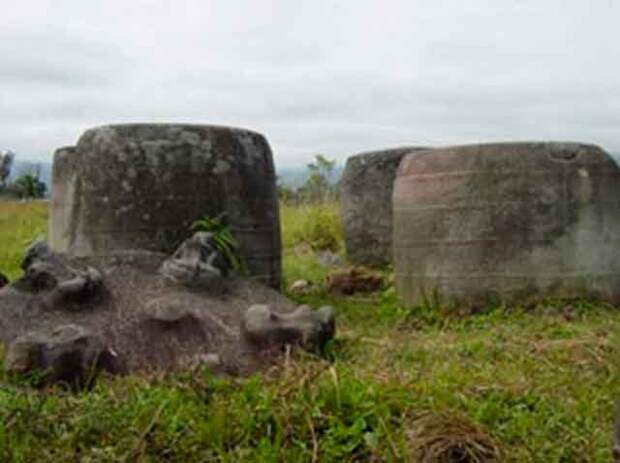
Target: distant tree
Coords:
[(6, 163), (285, 193), (318, 186), (29, 185)]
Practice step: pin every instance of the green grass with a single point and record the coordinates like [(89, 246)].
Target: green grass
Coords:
[(305, 229), (20, 223), (317, 226), (541, 382)]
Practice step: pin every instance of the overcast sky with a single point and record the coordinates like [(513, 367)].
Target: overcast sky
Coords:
[(333, 77)]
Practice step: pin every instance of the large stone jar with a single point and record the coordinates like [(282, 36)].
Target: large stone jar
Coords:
[(507, 222), (140, 186), (366, 203)]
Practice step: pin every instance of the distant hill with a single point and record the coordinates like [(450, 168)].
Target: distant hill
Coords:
[(294, 177)]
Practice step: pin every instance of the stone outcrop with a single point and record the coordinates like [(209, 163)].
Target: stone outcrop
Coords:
[(197, 262), (68, 354), (61, 317), (507, 222), (305, 327), (141, 186), (59, 286), (84, 287), (366, 203), (42, 269)]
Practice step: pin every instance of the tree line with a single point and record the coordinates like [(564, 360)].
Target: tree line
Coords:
[(27, 185), (318, 187)]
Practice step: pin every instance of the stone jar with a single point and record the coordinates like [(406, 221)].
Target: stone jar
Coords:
[(366, 204), (141, 186), (507, 222)]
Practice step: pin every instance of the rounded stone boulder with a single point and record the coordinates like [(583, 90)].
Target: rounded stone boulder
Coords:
[(141, 186), (507, 222), (366, 201)]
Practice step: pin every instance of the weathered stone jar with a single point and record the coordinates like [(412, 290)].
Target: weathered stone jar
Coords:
[(140, 186), (509, 222), (366, 203)]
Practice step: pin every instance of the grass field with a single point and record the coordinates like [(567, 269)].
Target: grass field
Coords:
[(20, 223), (538, 384)]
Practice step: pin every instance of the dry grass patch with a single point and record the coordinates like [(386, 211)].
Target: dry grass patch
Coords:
[(443, 438)]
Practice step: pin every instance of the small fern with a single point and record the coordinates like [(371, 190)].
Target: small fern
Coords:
[(223, 239)]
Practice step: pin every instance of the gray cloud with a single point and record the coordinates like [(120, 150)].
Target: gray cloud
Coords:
[(321, 76)]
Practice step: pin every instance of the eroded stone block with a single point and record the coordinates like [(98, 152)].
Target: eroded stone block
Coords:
[(507, 222)]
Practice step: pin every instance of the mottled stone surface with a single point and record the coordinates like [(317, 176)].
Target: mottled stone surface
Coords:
[(140, 186), (197, 262), (148, 322), (68, 354), (366, 203), (514, 221)]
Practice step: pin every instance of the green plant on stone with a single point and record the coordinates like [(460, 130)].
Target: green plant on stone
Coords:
[(223, 240)]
